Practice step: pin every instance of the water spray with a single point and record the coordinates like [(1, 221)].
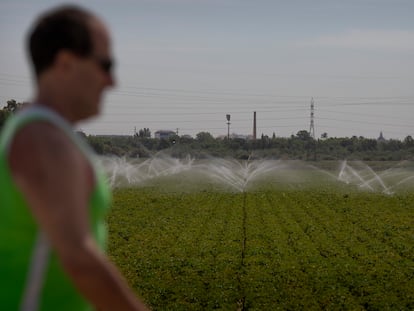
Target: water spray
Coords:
[(242, 175)]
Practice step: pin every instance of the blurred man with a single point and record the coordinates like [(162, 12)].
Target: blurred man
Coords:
[(53, 199)]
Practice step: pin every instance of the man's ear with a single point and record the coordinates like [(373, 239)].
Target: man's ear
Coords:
[(65, 62)]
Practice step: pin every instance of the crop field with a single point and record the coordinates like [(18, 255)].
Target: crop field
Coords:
[(275, 247)]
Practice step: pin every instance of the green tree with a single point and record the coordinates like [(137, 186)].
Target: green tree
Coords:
[(4, 114), (96, 143), (11, 107), (409, 141), (204, 137), (303, 135), (144, 133)]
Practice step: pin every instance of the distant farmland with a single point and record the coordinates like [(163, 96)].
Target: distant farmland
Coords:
[(321, 247)]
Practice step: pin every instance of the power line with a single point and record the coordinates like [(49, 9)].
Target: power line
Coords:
[(153, 91)]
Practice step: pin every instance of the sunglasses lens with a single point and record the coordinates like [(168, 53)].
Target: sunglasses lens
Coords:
[(106, 65)]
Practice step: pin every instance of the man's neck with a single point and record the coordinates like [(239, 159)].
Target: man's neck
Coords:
[(56, 104)]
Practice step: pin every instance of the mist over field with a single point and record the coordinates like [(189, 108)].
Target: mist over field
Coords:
[(245, 175)]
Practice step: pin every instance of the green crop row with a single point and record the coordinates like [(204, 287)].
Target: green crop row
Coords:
[(315, 249)]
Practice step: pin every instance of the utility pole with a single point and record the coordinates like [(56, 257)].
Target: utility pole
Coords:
[(228, 126), (312, 124), (254, 125)]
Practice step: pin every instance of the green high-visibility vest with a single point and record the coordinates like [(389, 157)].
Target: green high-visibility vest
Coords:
[(30, 273)]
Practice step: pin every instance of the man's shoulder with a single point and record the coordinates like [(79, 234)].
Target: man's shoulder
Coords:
[(42, 134), (43, 144), (42, 153)]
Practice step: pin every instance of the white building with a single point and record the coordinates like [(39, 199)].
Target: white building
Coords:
[(164, 134)]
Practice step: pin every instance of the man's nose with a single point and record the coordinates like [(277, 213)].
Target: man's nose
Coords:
[(110, 80)]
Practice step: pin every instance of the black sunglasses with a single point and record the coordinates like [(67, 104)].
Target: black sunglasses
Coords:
[(106, 64)]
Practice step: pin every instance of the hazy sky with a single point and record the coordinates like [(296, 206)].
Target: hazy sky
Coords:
[(185, 64)]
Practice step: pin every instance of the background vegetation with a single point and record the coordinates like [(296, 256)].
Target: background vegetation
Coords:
[(297, 147)]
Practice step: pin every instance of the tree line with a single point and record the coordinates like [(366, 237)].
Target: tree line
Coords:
[(296, 147)]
